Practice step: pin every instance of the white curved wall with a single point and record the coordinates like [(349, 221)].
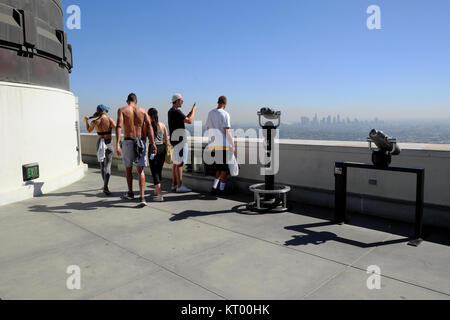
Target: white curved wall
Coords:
[(37, 124)]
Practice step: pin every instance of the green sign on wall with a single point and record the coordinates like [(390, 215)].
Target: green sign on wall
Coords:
[(30, 171)]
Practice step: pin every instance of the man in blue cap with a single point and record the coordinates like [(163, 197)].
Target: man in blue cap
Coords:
[(105, 150)]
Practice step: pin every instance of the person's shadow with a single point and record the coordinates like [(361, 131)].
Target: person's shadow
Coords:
[(194, 213), (188, 197), (315, 238), (70, 207)]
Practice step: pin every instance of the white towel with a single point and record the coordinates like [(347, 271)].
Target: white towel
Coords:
[(101, 152)]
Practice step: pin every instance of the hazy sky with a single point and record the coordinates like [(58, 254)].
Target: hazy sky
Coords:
[(300, 56)]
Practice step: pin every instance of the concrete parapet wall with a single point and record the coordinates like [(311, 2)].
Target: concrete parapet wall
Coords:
[(308, 166)]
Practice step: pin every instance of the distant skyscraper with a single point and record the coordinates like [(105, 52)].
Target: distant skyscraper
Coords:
[(316, 120)]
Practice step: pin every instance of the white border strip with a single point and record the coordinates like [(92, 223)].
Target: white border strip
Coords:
[(30, 86)]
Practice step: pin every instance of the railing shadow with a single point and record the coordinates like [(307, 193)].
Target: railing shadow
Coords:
[(195, 213), (322, 237), (399, 228), (381, 224)]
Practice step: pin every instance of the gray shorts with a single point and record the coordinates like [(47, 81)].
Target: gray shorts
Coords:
[(129, 155)]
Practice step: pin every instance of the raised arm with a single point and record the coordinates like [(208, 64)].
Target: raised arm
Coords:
[(190, 117), (89, 127)]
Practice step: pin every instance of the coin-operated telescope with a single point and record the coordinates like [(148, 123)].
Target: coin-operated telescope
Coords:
[(386, 147), (269, 197), (269, 114), (269, 134)]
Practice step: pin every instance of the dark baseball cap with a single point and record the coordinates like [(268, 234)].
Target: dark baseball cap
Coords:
[(102, 108)]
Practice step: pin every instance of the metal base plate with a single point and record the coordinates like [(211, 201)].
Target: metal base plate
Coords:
[(253, 207), (269, 201), (415, 242), (340, 222)]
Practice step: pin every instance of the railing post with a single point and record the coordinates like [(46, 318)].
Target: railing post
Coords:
[(340, 193), (420, 195)]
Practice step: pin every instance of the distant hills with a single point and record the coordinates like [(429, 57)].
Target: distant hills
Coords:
[(416, 131)]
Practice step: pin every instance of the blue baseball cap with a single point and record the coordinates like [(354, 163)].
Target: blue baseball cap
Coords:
[(102, 108)]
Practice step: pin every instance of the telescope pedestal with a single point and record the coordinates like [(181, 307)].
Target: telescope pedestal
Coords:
[(269, 201), (381, 159), (269, 197)]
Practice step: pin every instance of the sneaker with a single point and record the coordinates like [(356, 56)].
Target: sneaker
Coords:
[(159, 198), (174, 188), (142, 204), (128, 196), (183, 189), (106, 191)]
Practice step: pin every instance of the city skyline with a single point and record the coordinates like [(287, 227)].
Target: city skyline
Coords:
[(336, 119)]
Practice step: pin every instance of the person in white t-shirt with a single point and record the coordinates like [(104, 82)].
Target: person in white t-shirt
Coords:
[(220, 142)]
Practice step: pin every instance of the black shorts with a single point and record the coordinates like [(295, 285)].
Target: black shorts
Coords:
[(220, 160)]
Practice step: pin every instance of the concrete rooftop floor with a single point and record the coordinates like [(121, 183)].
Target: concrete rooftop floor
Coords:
[(197, 246)]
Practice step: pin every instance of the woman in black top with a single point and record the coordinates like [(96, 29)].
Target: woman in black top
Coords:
[(158, 159)]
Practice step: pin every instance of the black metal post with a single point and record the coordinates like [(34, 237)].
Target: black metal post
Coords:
[(340, 210), (269, 179), (420, 195)]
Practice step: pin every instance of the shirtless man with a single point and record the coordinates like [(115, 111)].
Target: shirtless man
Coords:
[(136, 123)]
